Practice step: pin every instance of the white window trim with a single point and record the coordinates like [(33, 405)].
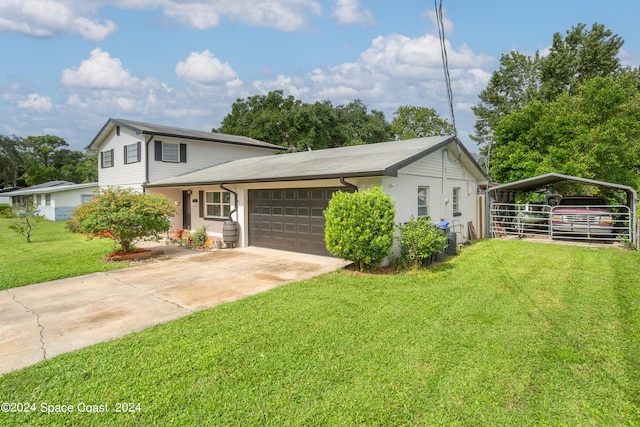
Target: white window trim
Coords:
[(456, 200), (221, 204), (133, 149), (164, 152), (422, 188)]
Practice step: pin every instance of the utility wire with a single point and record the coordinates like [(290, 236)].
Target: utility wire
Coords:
[(445, 63)]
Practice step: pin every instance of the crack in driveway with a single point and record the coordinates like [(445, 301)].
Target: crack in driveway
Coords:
[(40, 326), (148, 293)]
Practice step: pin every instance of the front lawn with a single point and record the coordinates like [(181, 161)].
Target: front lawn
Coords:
[(507, 333), (54, 253)]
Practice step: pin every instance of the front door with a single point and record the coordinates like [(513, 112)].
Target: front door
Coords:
[(186, 210)]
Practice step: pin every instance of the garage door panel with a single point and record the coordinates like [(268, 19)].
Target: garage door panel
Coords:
[(295, 218)]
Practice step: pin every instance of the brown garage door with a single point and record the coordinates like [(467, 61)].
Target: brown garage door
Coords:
[(289, 219)]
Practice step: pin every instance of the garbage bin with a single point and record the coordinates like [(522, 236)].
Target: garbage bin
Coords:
[(444, 229)]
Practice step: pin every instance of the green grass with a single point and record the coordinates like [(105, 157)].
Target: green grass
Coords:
[(54, 253), (506, 333)]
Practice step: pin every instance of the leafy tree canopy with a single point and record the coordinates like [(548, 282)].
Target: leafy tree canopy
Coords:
[(299, 126), (593, 134), (417, 122)]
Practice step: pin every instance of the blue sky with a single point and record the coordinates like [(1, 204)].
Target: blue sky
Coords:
[(69, 65)]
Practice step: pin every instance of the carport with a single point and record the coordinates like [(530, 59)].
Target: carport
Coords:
[(508, 217)]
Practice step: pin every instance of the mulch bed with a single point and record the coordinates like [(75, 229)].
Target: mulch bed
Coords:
[(135, 254)]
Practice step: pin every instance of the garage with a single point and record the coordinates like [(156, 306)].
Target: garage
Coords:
[(289, 219)]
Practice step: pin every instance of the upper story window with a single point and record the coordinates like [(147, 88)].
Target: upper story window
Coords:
[(132, 153), (106, 159), (423, 201), (217, 204), (456, 201), (170, 152)]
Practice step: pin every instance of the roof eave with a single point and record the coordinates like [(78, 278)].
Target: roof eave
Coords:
[(275, 179)]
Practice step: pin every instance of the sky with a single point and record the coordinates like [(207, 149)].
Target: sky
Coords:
[(70, 65)]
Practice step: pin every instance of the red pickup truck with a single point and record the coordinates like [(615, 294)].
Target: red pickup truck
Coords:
[(582, 215)]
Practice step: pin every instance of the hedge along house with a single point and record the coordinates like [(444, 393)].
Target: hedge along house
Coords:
[(278, 201), (131, 154), (55, 200)]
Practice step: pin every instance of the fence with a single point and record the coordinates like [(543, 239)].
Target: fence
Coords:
[(603, 223)]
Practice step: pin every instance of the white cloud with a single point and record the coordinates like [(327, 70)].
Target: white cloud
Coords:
[(204, 67), (99, 71), (295, 87), (283, 15), (350, 12), (41, 104), (50, 18)]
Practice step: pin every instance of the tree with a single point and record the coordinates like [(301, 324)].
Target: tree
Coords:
[(12, 164), (593, 134), (297, 126), (417, 122), (572, 61), (125, 216), (359, 226), (511, 87), (26, 220), (578, 57)]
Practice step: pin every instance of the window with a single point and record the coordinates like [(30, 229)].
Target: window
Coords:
[(47, 199), (38, 199), (217, 204), (456, 201), (132, 153), (86, 198), (423, 201), (106, 158), (170, 152)]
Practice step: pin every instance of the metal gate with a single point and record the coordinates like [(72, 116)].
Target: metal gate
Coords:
[(593, 223)]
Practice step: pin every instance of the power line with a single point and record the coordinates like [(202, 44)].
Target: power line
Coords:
[(445, 63)]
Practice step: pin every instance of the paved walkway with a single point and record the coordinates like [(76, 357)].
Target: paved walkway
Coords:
[(40, 321)]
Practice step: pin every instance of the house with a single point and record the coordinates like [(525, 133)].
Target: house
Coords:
[(278, 201), (132, 154), (55, 200)]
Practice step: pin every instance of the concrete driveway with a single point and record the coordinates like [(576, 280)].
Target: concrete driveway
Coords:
[(40, 321)]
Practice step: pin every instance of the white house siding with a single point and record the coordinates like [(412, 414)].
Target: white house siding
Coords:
[(62, 203), (441, 172), (199, 155), (120, 174)]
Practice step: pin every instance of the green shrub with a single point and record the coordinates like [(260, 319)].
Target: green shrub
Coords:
[(5, 211), (199, 237), (421, 239), (359, 226), (125, 216)]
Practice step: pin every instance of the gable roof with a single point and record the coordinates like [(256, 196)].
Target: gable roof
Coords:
[(141, 128), (50, 187), (381, 159), (541, 181)]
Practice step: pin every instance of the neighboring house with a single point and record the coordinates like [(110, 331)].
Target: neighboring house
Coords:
[(55, 199), (6, 200), (278, 201), (132, 154)]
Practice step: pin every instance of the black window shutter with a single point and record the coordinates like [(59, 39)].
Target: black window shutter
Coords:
[(126, 148), (139, 151), (158, 151), (201, 203), (183, 153), (102, 160)]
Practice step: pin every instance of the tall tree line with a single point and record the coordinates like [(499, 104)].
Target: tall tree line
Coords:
[(574, 111), (298, 126), (38, 159)]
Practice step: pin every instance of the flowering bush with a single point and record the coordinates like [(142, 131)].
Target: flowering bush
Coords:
[(124, 215)]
